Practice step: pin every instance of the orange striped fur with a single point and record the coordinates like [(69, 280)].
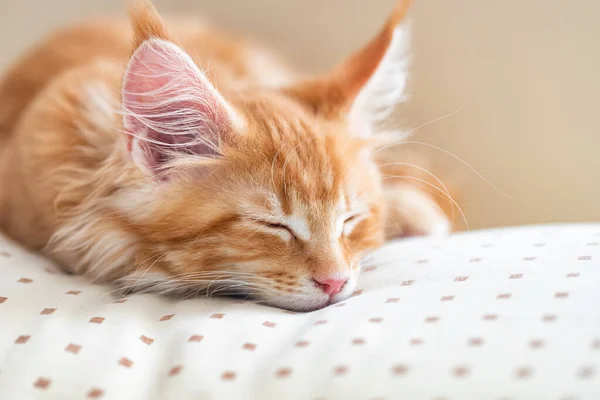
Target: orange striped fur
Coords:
[(169, 156)]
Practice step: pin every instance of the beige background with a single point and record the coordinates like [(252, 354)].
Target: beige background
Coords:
[(522, 73)]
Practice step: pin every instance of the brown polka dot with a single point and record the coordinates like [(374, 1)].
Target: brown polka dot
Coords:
[(175, 370), (42, 383), (369, 269), (22, 339), (573, 275), (95, 393), (341, 370), (585, 258), (146, 340), (585, 372), (25, 280), (447, 298), (549, 318), (249, 346), (283, 372), (126, 362), (416, 341), (73, 348), (376, 320), (536, 344), (523, 373), (561, 295), (475, 260), (407, 283), (357, 292), (167, 317), (48, 311), (120, 301), (461, 371), (399, 370), (321, 322), (269, 324), (195, 338), (476, 342), (490, 317), (358, 341), (50, 270), (289, 312), (516, 276), (302, 343), (596, 344), (461, 278), (530, 258), (73, 292), (432, 319), (3, 299), (97, 320), (392, 300), (5, 254), (504, 296), (228, 376)]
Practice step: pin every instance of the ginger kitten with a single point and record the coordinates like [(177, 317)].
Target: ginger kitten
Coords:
[(174, 158)]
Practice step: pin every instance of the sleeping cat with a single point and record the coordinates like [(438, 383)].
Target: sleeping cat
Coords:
[(171, 157)]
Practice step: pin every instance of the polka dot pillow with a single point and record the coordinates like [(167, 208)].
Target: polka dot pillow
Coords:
[(508, 314)]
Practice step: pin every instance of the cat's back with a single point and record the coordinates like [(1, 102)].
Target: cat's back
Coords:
[(229, 60), (43, 98)]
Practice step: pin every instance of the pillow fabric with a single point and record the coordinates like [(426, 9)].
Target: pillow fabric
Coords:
[(499, 314)]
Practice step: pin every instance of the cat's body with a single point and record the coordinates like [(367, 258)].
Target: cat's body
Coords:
[(148, 172), (55, 75)]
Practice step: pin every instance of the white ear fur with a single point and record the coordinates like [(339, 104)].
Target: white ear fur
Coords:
[(386, 88), (170, 108)]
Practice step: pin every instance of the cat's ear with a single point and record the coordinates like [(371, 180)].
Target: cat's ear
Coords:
[(369, 84), (170, 108)]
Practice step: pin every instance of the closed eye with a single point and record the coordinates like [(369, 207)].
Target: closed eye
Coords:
[(275, 225), (351, 222), (352, 218)]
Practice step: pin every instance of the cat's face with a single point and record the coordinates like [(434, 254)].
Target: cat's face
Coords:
[(269, 194), (285, 217)]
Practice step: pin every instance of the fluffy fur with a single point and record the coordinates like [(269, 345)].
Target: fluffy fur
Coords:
[(177, 159)]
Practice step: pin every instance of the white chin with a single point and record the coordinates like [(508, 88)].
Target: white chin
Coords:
[(311, 301), (299, 304)]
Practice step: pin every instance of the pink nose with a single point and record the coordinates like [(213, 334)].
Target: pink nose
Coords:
[(331, 286)]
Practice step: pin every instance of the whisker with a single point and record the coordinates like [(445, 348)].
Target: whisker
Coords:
[(438, 192), (469, 166), (454, 203), (431, 174)]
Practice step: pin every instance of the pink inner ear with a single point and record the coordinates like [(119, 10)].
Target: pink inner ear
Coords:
[(170, 108)]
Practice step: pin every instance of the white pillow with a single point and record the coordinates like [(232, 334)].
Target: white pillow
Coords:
[(501, 314)]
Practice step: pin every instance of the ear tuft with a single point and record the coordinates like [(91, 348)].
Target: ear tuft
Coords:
[(368, 85), (146, 23), (171, 110), (356, 71)]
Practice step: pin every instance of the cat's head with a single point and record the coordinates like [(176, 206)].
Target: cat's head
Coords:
[(269, 192)]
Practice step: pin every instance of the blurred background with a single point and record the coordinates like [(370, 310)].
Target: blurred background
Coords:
[(517, 82)]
